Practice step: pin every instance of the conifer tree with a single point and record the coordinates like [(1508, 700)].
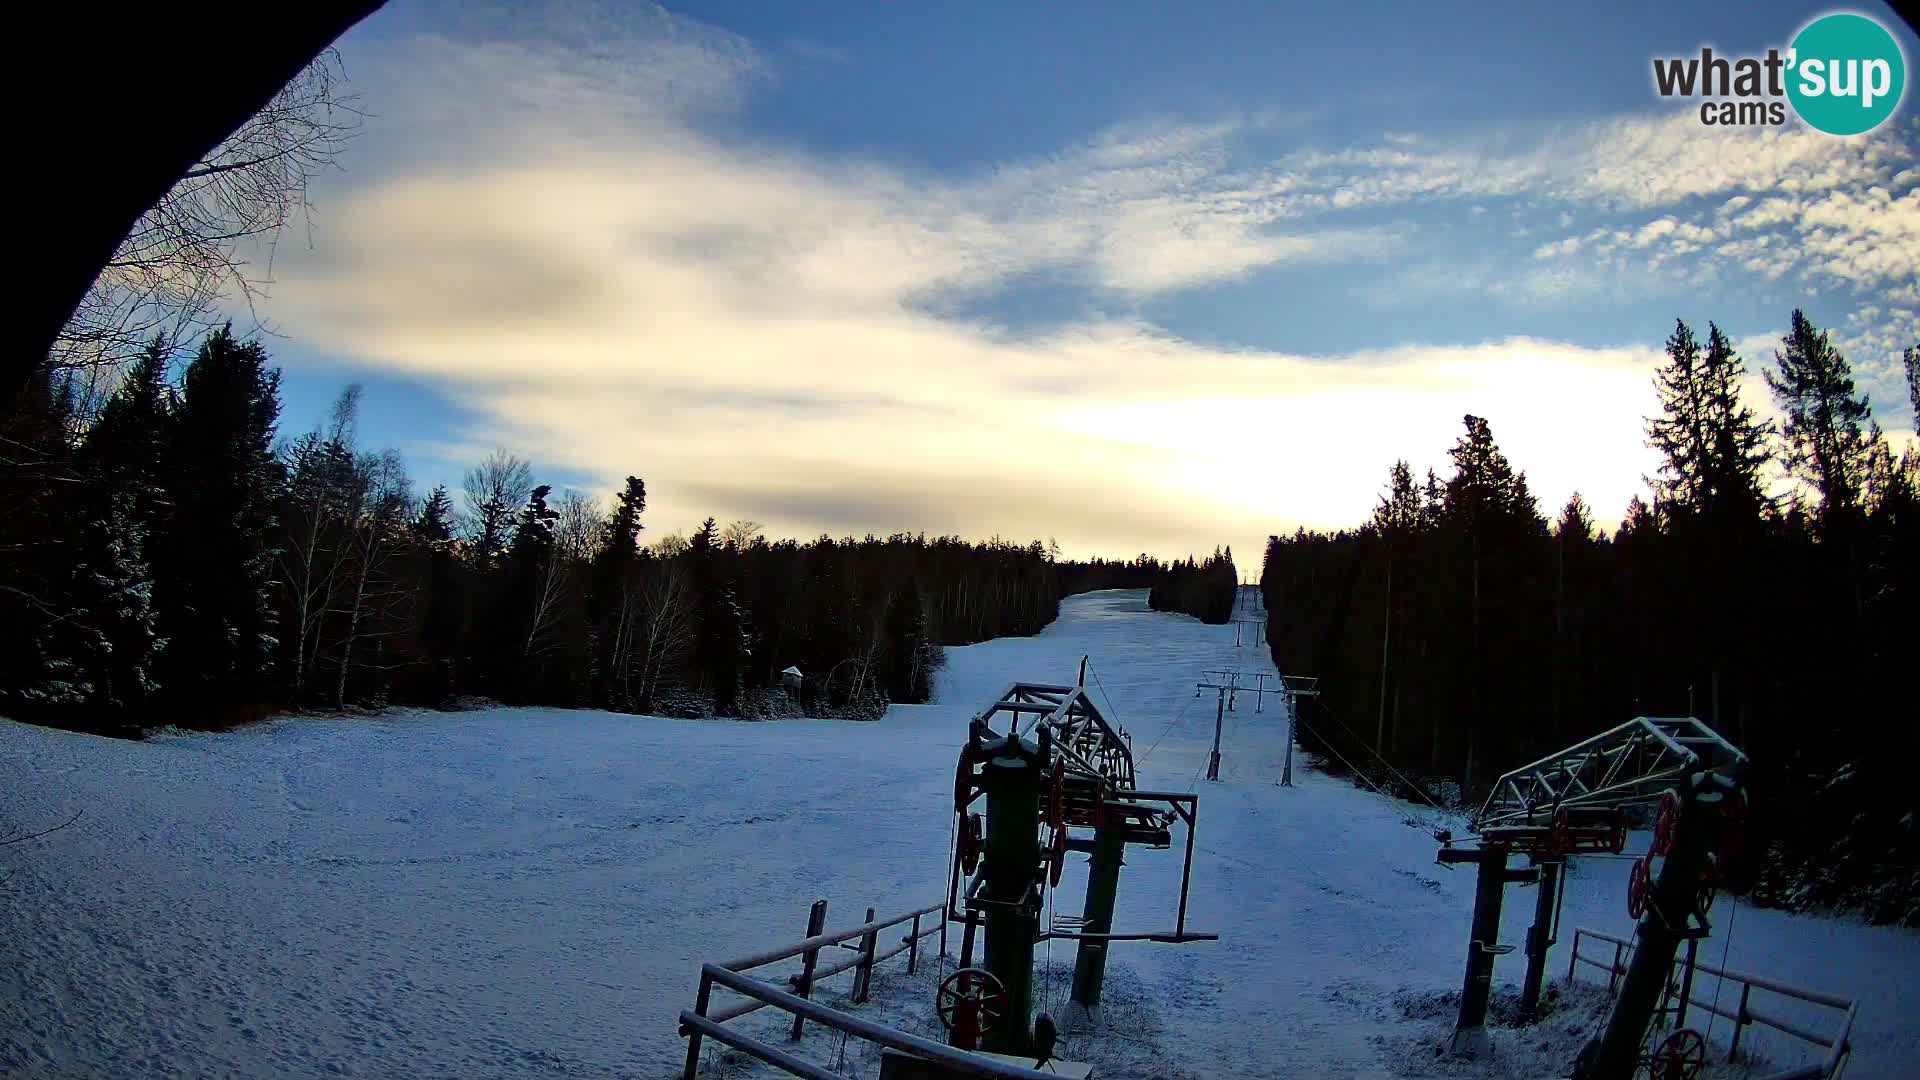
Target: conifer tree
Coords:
[(1911, 360), (216, 580), (912, 656), (439, 604), (721, 637), (1825, 443), (1679, 433), (433, 525), (616, 597)]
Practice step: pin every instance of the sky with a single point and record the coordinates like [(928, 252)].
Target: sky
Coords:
[(1138, 277)]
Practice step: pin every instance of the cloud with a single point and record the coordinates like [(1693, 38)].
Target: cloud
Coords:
[(743, 333), (615, 280)]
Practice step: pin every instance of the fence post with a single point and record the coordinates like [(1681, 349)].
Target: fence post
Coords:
[(694, 1037), (1573, 955), (863, 971), (913, 946), (1740, 1020), (816, 923)]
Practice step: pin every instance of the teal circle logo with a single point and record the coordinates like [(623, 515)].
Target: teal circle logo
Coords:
[(1845, 74)]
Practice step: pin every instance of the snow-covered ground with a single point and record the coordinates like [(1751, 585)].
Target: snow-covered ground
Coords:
[(530, 892)]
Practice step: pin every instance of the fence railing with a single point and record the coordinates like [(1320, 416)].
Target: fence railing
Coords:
[(1743, 1013), (793, 995)]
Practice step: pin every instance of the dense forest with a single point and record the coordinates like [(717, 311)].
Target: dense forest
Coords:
[(172, 558), (1460, 633), (1205, 590)]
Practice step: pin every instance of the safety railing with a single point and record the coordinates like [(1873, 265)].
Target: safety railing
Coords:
[(1836, 1044), (793, 995)]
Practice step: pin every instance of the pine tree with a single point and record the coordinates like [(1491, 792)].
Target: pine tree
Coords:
[(440, 605), (616, 599), (43, 651), (911, 655), (1679, 433), (216, 573), (433, 525), (622, 538), (722, 639), (1735, 446), (123, 504), (1825, 444), (127, 443), (1911, 360)]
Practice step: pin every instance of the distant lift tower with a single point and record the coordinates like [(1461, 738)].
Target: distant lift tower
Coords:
[(1229, 685), (1052, 763)]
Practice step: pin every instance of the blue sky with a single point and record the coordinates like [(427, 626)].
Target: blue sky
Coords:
[(1136, 276)]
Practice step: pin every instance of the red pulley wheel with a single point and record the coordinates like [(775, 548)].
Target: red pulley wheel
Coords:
[(1680, 1057), (1057, 856), (1639, 885), (970, 1004), (1664, 824)]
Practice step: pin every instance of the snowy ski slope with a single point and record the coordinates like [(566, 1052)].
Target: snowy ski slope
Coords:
[(529, 892)]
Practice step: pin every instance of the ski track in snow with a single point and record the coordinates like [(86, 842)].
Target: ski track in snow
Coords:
[(530, 892)]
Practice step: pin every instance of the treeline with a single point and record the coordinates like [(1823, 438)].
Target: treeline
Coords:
[(1141, 572), (1205, 590), (1459, 633), (169, 558)]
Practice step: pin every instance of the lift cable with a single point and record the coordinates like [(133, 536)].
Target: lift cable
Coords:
[(1726, 947), (1363, 743), (1329, 747), (1142, 759), (947, 884)]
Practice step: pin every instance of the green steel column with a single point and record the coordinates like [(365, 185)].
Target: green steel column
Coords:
[(1103, 881), (1470, 1034), (1540, 937), (1661, 929), (1012, 779)]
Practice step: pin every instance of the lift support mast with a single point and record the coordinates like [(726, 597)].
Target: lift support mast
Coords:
[(1575, 801), (1056, 762)]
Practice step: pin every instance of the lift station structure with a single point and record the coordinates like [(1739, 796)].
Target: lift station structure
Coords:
[(1042, 774), (1576, 801)]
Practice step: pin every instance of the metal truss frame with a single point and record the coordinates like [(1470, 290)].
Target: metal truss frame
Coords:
[(1631, 763)]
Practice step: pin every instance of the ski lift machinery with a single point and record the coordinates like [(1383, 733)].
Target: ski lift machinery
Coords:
[(1043, 759), (1575, 802)]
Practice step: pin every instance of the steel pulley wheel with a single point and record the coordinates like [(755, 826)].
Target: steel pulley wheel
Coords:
[(1680, 1057), (972, 1001), (1639, 888), (970, 843), (1665, 823)]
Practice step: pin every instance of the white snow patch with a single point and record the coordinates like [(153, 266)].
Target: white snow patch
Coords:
[(530, 892)]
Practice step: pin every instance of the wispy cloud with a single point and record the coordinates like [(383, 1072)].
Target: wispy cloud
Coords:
[(615, 284)]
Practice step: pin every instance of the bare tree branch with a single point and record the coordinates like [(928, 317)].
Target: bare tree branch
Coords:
[(183, 255), (43, 832)]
